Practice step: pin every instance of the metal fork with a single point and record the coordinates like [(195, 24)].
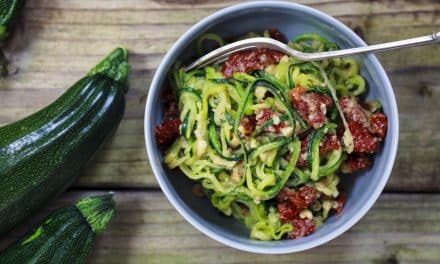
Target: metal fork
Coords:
[(221, 54)]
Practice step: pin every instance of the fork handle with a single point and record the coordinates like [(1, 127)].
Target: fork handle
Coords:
[(222, 53), (406, 43)]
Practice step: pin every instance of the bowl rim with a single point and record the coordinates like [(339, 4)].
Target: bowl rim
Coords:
[(185, 211)]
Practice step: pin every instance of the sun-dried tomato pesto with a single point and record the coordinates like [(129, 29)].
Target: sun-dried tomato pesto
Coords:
[(250, 60), (168, 131), (311, 106)]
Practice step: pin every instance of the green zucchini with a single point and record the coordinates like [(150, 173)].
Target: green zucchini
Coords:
[(65, 236), (211, 37), (215, 144), (42, 154), (334, 160), (278, 93), (8, 11), (281, 179), (313, 159), (188, 99), (268, 123), (332, 163)]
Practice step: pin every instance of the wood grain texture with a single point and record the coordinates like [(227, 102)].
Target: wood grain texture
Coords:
[(147, 229), (58, 41)]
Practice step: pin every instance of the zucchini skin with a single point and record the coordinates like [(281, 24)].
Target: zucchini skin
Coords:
[(42, 154), (65, 236)]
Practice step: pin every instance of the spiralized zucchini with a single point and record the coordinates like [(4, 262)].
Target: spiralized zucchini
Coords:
[(242, 172)]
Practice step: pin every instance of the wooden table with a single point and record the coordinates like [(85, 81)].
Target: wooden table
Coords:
[(59, 41)]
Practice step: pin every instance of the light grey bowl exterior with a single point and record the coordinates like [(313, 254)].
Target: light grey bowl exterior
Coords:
[(362, 190)]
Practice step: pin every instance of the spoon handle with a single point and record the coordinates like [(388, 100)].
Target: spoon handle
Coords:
[(406, 43)]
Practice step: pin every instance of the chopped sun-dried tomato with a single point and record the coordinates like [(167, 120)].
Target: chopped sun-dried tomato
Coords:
[(339, 203), (167, 96), (263, 115), (250, 60), (356, 161), (364, 141), (167, 132), (368, 129), (308, 194), (329, 142), (353, 111), (291, 202), (302, 159), (312, 107), (170, 104), (287, 211), (276, 34), (171, 110), (379, 124), (247, 125), (301, 228)]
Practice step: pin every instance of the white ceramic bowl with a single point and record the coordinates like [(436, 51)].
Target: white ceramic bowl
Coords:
[(362, 190)]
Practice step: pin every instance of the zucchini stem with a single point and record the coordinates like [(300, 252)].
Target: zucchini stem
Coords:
[(97, 210), (114, 66)]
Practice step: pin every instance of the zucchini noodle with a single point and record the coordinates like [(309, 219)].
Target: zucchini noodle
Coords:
[(243, 171), (211, 37)]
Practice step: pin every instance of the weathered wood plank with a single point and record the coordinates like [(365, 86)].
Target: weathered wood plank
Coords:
[(156, 12), (158, 4), (61, 40), (146, 229)]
